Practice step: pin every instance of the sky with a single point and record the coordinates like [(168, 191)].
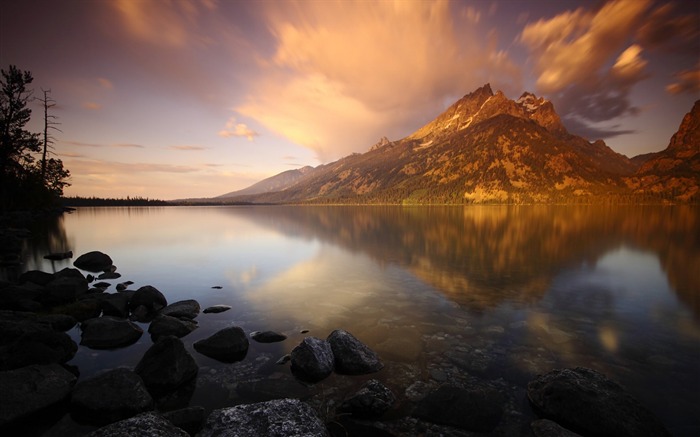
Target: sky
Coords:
[(174, 99)]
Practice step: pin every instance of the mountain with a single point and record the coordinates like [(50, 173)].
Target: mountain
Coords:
[(674, 173), (485, 148), (278, 182)]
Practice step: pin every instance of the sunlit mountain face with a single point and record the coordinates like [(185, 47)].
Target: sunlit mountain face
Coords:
[(486, 148)]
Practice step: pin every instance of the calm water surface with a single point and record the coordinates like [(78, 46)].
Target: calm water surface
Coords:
[(491, 292)]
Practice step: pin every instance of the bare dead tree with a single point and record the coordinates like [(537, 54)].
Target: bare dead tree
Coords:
[(50, 124)]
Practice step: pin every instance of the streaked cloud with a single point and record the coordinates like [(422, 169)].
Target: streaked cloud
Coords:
[(187, 148), (343, 74), (117, 145), (234, 129), (687, 81), (92, 106)]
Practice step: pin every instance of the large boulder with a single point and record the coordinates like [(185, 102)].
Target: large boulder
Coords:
[(585, 401), (184, 309), (165, 325), (95, 261), (109, 332), (548, 428), (312, 360), (32, 389), (475, 409), (227, 345), (352, 357), (37, 347), (166, 365), (191, 419), (63, 290), (36, 277), (20, 298), (370, 402), (115, 304), (276, 418), (144, 425), (111, 396), (149, 298)]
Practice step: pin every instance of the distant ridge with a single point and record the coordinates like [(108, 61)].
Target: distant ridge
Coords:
[(486, 148), (278, 182)]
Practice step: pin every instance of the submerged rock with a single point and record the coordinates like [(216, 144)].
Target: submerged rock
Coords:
[(109, 332), (95, 261), (32, 389), (216, 309), (144, 425), (184, 309), (352, 357), (312, 360), (280, 417), (474, 409), (371, 401), (166, 365), (227, 345), (111, 396), (586, 402), (267, 336)]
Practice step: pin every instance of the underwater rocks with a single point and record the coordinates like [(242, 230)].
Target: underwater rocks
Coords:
[(267, 336), (587, 402)]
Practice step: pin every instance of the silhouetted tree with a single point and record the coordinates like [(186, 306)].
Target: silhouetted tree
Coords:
[(23, 182)]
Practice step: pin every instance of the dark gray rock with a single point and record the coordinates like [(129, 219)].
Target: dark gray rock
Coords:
[(58, 256), (267, 336), (474, 409), (166, 365), (352, 357), (144, 425), (69, 273), (86, 308), (103, 285), (36, 277), (190, 419), (20, 298), (111, 396), (37, 347), (59, 322), (184, 309), (95, 261), (216, 309), (165, 325), (32, 389), (109, 332), (63, 290), (585, 401), (149, 297), (276, 418), (312, 360), (116, 305), (370, 402), (227, 345), (109, 275), (547, 428)]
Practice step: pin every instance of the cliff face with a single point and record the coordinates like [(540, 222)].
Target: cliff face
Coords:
[(674, 173)]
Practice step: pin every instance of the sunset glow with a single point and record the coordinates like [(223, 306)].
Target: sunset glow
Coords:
[(181, 99)]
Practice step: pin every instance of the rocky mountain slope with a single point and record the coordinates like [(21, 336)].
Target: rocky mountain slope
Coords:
[(277, 182), (486, 148), (674, 173)]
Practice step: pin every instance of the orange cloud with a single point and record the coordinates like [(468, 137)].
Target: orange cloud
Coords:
[(92, 106), (339, 66), (687, 81), (233, 129), (571, 46)]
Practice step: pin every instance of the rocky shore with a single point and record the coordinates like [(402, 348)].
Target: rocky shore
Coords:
[(331, 388)]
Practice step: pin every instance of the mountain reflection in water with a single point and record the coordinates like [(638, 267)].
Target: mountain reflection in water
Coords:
[(492, 292)]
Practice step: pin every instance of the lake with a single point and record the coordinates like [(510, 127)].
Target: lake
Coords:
[(440, 293)]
